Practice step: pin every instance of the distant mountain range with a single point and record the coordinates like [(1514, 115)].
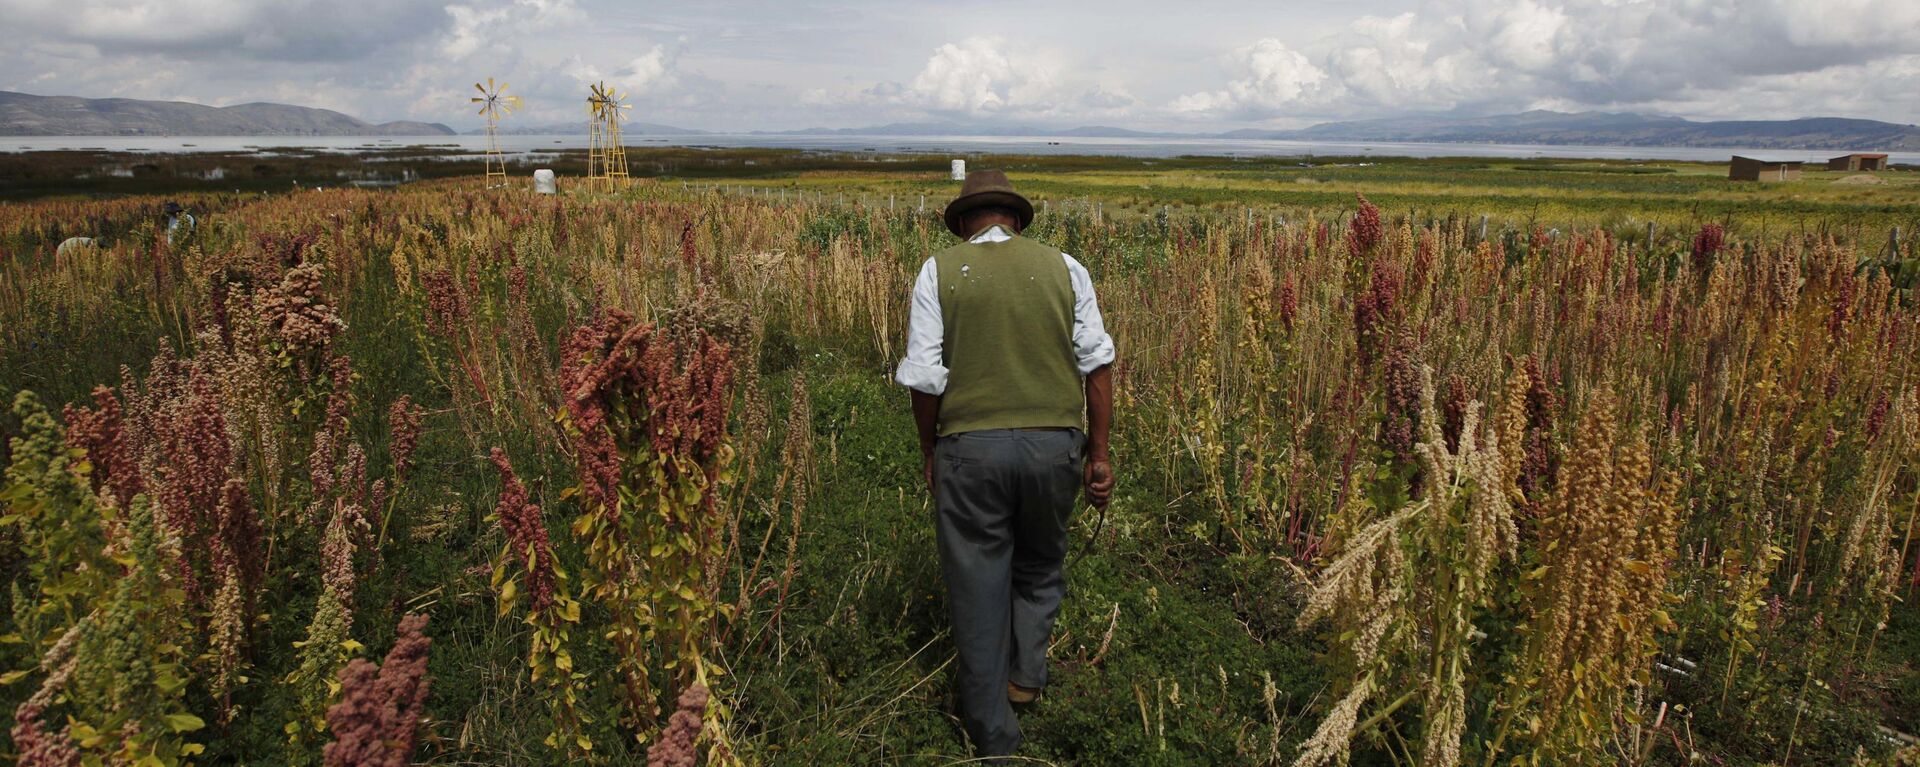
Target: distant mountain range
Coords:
[(23, 114), (1536, 127), (976, 129), (580, 129), (28, 115), (1615, 129)]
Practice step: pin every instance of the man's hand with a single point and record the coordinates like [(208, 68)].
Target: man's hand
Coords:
[(1099, 477), (926, 420), (1099, 480)]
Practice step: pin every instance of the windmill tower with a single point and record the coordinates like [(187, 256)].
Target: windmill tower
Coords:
[(606, 154), (494, 104)]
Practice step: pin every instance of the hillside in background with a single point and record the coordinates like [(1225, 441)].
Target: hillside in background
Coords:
[(1614, 129), (1536, 127), (580, 129), (976, 129), (23, 114)]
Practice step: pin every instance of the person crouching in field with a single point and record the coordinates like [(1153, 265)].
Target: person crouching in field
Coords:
[(1006, 352)]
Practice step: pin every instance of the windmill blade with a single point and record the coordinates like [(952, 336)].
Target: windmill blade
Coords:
[(483, 91), (503, 88), (513, 101), (476, 100), (490, 85)]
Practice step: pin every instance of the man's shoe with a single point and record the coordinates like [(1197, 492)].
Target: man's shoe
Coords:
[(1018, 695)]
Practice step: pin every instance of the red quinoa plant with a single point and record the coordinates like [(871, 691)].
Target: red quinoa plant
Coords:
[(551, 612), (646, 410), (377, 720)]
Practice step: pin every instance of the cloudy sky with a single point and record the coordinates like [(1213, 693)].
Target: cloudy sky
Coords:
[(1184, 65)]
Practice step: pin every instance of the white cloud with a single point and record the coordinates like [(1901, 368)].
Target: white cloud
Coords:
[(760, 64), (1269, 77), (495, 26), (295, 31), (649, 73), (1526, 36), (993, 79), (1107, 98), (652, 76), (472, 30), (975, 76), (1490, 55)]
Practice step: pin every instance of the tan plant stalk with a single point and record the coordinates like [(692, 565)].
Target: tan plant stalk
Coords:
[(1403, 593)]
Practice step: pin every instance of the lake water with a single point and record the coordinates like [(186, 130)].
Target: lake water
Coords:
[(940, 145)]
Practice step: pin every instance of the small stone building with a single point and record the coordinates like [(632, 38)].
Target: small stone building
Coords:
[(1754, 169), (1858, 161)]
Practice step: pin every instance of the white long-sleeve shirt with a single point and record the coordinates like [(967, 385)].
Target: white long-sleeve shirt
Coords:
[(924, 368)]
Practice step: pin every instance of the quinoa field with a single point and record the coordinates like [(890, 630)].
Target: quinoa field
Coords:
[(1433, 462)]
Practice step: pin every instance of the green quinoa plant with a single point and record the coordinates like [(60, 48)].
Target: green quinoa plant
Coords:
[(111, 606)]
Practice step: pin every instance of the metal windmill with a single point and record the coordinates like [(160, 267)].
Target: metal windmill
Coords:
[(495, 104), (606, 155)]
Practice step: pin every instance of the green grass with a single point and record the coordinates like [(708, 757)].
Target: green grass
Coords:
[(1514, 192), (857, 669)]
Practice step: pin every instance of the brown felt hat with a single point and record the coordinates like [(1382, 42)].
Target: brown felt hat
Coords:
[(986, 188)]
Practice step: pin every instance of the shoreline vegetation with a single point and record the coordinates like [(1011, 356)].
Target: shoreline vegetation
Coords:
[(1628, 476), (1515, 192)]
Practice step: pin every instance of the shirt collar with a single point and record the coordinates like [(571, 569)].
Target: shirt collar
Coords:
[(994, 233)]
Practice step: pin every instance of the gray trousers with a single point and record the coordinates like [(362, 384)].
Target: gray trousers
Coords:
[(1003, 500)]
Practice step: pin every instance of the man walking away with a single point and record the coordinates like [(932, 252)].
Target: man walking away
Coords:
[(1006, 353)]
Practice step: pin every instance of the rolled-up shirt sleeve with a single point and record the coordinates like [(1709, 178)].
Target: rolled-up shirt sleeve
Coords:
[(1092, 347), (923, 369)]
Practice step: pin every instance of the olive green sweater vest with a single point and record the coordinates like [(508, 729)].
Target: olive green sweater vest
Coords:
[(1007, 308)]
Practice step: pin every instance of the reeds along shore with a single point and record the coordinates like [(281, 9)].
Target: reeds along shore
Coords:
[(1539, 492)]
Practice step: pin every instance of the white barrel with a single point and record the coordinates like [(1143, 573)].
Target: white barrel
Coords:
[(959, 170), (543, 181), (73, 245)]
